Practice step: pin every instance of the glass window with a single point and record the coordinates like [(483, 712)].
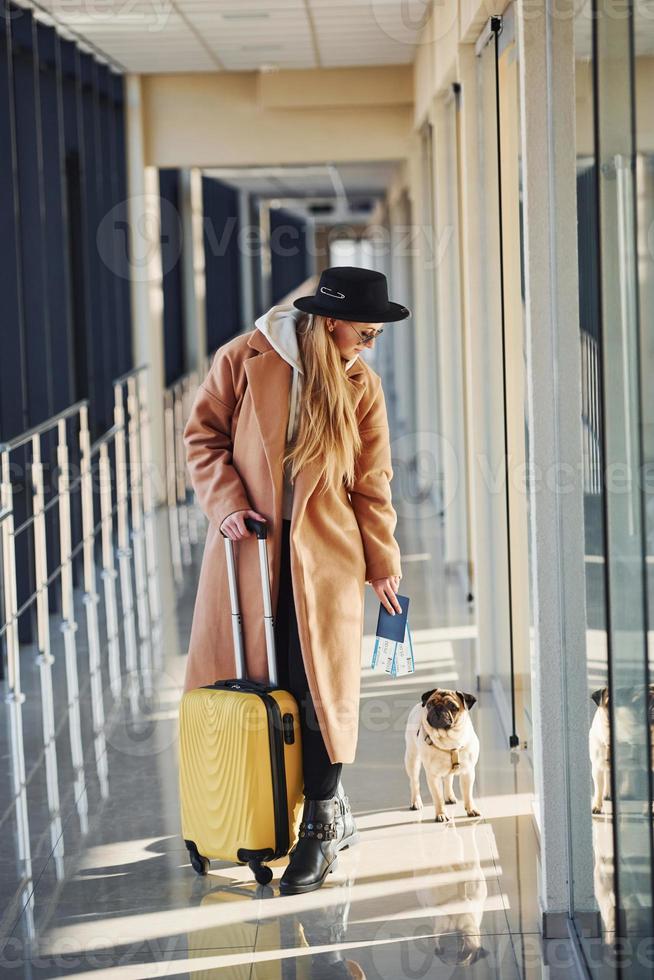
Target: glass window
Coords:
[(615, 280)]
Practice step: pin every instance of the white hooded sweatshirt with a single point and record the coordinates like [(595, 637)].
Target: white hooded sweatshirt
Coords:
[(278, 326)]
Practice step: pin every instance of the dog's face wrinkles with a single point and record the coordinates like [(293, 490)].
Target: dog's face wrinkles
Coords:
[(444, 707)]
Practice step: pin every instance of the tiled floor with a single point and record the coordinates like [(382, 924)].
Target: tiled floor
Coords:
[(116, 896)]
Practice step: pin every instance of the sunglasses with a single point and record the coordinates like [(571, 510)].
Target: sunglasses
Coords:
[(368, 334)]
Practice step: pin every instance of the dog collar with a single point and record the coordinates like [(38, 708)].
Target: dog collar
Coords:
[(454, 753)]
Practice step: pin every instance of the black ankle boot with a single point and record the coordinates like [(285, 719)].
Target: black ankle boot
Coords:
[(314, 854), (348, 833)]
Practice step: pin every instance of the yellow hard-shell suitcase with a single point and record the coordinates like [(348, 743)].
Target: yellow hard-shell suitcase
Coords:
[(240, 752)]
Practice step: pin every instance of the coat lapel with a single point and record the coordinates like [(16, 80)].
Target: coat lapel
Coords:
[(269, 379)]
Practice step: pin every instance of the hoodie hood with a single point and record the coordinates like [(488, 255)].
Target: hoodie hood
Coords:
[(278, 325)]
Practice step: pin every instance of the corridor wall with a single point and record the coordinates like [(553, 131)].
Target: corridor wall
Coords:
[(64, 276), (171, 265), (288, 252), (66, 324), (222, 258)]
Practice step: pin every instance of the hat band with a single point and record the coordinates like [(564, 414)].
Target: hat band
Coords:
[(319, 304)]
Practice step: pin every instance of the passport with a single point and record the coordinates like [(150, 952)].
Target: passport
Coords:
[(392, 627), (393, 649)]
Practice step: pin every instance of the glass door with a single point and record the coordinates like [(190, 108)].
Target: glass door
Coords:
[(459, 492), (503, 283), (629, 698), (615, 195)]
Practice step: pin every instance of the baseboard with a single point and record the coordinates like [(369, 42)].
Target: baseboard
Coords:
[(589, 924), (554, 925)]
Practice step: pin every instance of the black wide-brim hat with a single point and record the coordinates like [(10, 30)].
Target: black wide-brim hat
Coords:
[(348, 292)]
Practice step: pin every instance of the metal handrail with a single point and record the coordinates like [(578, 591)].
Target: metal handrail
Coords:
[(43, 427), (53, 575), (133, 513), (132, 373), (55, 497)]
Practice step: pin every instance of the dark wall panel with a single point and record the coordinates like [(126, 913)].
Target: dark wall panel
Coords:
[(171, 246), (77, 247), (31, 211), (108, 198), (92, 207), (288, 252), (255, 257), (14, 410), (66, 318), (222, 262), (55, 216), (122, 245), (67, 308)]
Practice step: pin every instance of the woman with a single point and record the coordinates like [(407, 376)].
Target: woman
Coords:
[(290, 427)]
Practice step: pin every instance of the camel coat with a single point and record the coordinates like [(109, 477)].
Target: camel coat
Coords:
[(234, 438)]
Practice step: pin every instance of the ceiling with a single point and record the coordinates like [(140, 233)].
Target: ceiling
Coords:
[(152, 36), (329, 194), (330, 180), (148, 36)]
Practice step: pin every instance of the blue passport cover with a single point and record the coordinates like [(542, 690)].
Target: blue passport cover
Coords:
[(393, 627)]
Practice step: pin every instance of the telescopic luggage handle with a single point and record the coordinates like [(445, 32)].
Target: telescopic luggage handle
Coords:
[(260, 528)]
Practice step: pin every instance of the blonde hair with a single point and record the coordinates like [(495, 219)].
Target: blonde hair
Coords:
[(328, 432)]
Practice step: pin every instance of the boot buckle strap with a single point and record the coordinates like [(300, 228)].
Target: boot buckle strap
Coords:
[(323, 831)]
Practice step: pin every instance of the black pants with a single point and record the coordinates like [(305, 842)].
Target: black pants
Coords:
[(320, 775)]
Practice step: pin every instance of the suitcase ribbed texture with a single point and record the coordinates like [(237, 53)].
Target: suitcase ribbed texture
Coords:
[(226, 780)]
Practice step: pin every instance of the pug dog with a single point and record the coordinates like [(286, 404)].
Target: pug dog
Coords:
[(599, 747), (632, 705), (440, 736)]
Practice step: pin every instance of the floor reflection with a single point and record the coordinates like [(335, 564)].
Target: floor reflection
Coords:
[(413, 898)]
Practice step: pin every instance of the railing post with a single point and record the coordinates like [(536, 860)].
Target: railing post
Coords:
[(44, 658), (124, 550), (137, 533), (149, 516), (90, 600), (171, 486), (180, 469), (68, 625), (189, 388), (108, 573)]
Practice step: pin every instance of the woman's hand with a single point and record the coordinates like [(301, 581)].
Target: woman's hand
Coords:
[(234, 524), (386, 589)]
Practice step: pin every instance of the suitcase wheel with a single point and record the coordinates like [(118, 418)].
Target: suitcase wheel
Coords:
[(262, 874), (199, 863)]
